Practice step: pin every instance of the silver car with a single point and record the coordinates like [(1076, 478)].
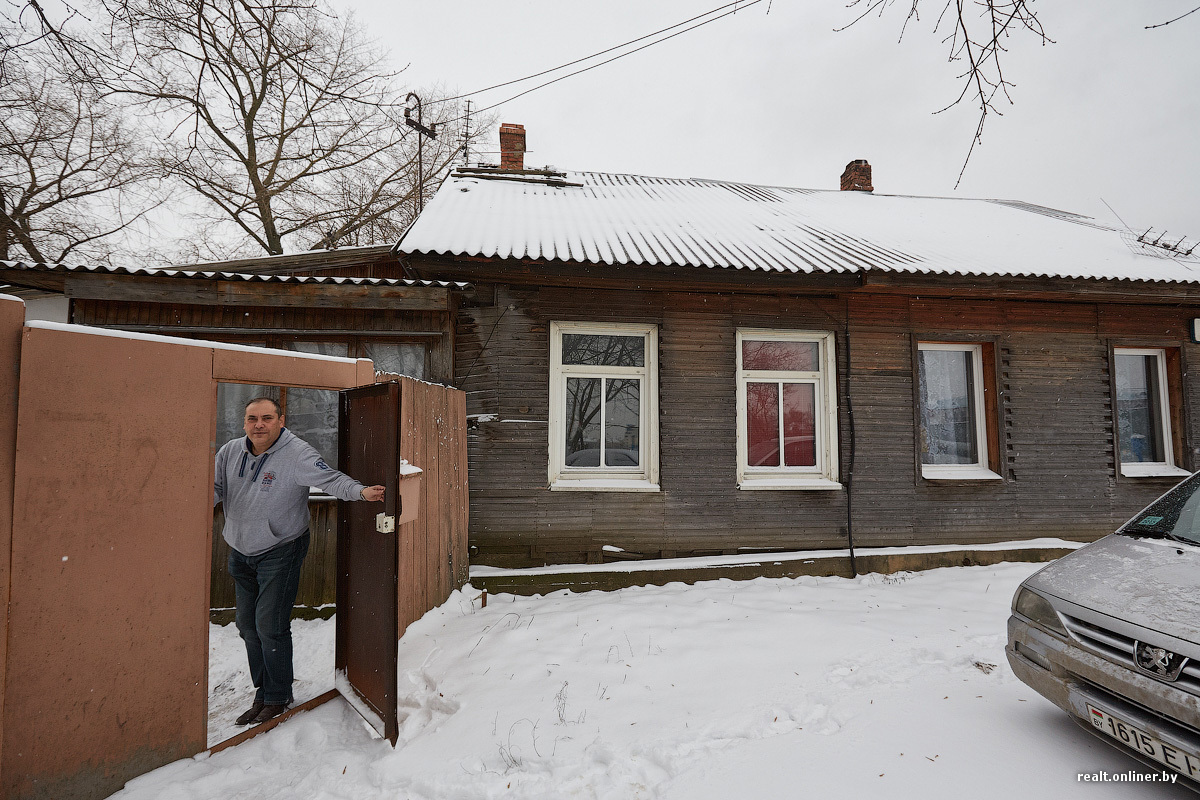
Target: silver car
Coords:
[(1111, 634)]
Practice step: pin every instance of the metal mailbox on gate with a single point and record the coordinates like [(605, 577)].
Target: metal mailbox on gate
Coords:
[(409, 493), (408, 500)]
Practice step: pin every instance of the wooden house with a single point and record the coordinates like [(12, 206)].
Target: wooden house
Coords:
[(663, 368)]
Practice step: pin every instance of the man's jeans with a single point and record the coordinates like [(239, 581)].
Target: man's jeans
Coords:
[(266, 590)]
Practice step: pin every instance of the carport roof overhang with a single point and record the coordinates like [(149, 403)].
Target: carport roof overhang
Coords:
[(197, 287)]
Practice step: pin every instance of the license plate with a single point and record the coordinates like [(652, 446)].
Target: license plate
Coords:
[(1137, 739)]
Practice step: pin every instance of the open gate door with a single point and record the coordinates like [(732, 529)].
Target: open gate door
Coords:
[(367, 556)]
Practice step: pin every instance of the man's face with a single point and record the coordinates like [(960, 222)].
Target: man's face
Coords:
[(262, 425)]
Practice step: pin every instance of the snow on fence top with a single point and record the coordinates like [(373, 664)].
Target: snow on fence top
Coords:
[(644, 221)]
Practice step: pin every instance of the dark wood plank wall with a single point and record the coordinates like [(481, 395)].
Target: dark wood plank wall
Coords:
[(115, 313), (1054, 419), (249, 323), (515, 519), (880, 392)]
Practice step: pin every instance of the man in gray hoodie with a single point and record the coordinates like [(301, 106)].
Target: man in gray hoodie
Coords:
[(263, 480)]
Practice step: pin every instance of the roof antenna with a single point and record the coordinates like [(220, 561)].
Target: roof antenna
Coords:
[(466, 145)]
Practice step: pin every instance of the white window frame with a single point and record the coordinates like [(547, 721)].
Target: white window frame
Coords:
[(979, 471), (1150, 469), (822, 476), (643, 478)]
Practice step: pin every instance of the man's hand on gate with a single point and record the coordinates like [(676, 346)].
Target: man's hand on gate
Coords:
[(373, 494)]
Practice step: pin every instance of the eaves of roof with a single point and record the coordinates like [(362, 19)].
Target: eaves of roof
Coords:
[(61, 271)]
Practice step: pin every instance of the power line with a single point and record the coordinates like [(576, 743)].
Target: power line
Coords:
[(594, 55), (738, 6)]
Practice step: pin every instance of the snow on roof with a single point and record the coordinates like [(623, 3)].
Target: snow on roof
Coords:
[(643, 221)]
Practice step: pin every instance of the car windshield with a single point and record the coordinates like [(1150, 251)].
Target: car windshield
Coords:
[(1175, 515)]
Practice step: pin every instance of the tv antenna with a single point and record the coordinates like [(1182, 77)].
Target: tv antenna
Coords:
[(466, 145), (422, 131)]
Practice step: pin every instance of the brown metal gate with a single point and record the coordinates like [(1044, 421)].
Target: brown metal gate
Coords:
[(368, 555)]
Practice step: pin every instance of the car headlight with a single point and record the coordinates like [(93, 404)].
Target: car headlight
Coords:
[(1036, 608)]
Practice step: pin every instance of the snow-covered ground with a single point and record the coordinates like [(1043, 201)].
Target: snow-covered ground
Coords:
[(890, 686), (229, 689)]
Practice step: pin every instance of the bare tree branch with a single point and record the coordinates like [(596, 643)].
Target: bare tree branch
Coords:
[(72, 172), (283, 120), (1168, 22), (978, 37)]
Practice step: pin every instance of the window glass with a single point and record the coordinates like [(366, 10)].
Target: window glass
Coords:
[(786, 410), (583, 422), (312, 414), (622, 412), (231, 407), (762, 424), (340, 349), (799, 425), (400, 359), (1139, 408), (948, 407), (603, 350), (603, 391), (1175, 515), (780, 355)]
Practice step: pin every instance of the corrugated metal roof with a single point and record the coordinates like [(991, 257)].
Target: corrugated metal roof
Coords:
[(637, 220), (64, 269), (303, 261)]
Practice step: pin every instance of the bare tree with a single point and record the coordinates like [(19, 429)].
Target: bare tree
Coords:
[(977, 33), (71, 175), (285, 121)]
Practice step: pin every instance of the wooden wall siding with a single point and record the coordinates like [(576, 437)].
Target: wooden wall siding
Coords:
[(117, 313), (431, 326), (476, 369), (1056, 421), (515, 519), (1191, 404), (884, 443), (1059, 431), (1055, 425), (1156, 324)]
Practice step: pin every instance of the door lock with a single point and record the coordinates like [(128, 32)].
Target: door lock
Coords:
[(385, 523)]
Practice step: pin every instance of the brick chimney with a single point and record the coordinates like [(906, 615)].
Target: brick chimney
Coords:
[(512, 146), (857, 177)]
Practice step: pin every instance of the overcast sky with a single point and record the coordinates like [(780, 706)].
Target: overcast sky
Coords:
[(1107, 111)]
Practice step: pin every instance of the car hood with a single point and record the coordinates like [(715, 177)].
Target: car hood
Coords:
[(1154, 583)]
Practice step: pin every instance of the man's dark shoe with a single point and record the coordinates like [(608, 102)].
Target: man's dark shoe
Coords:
[(269, 712), (250, 714)]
